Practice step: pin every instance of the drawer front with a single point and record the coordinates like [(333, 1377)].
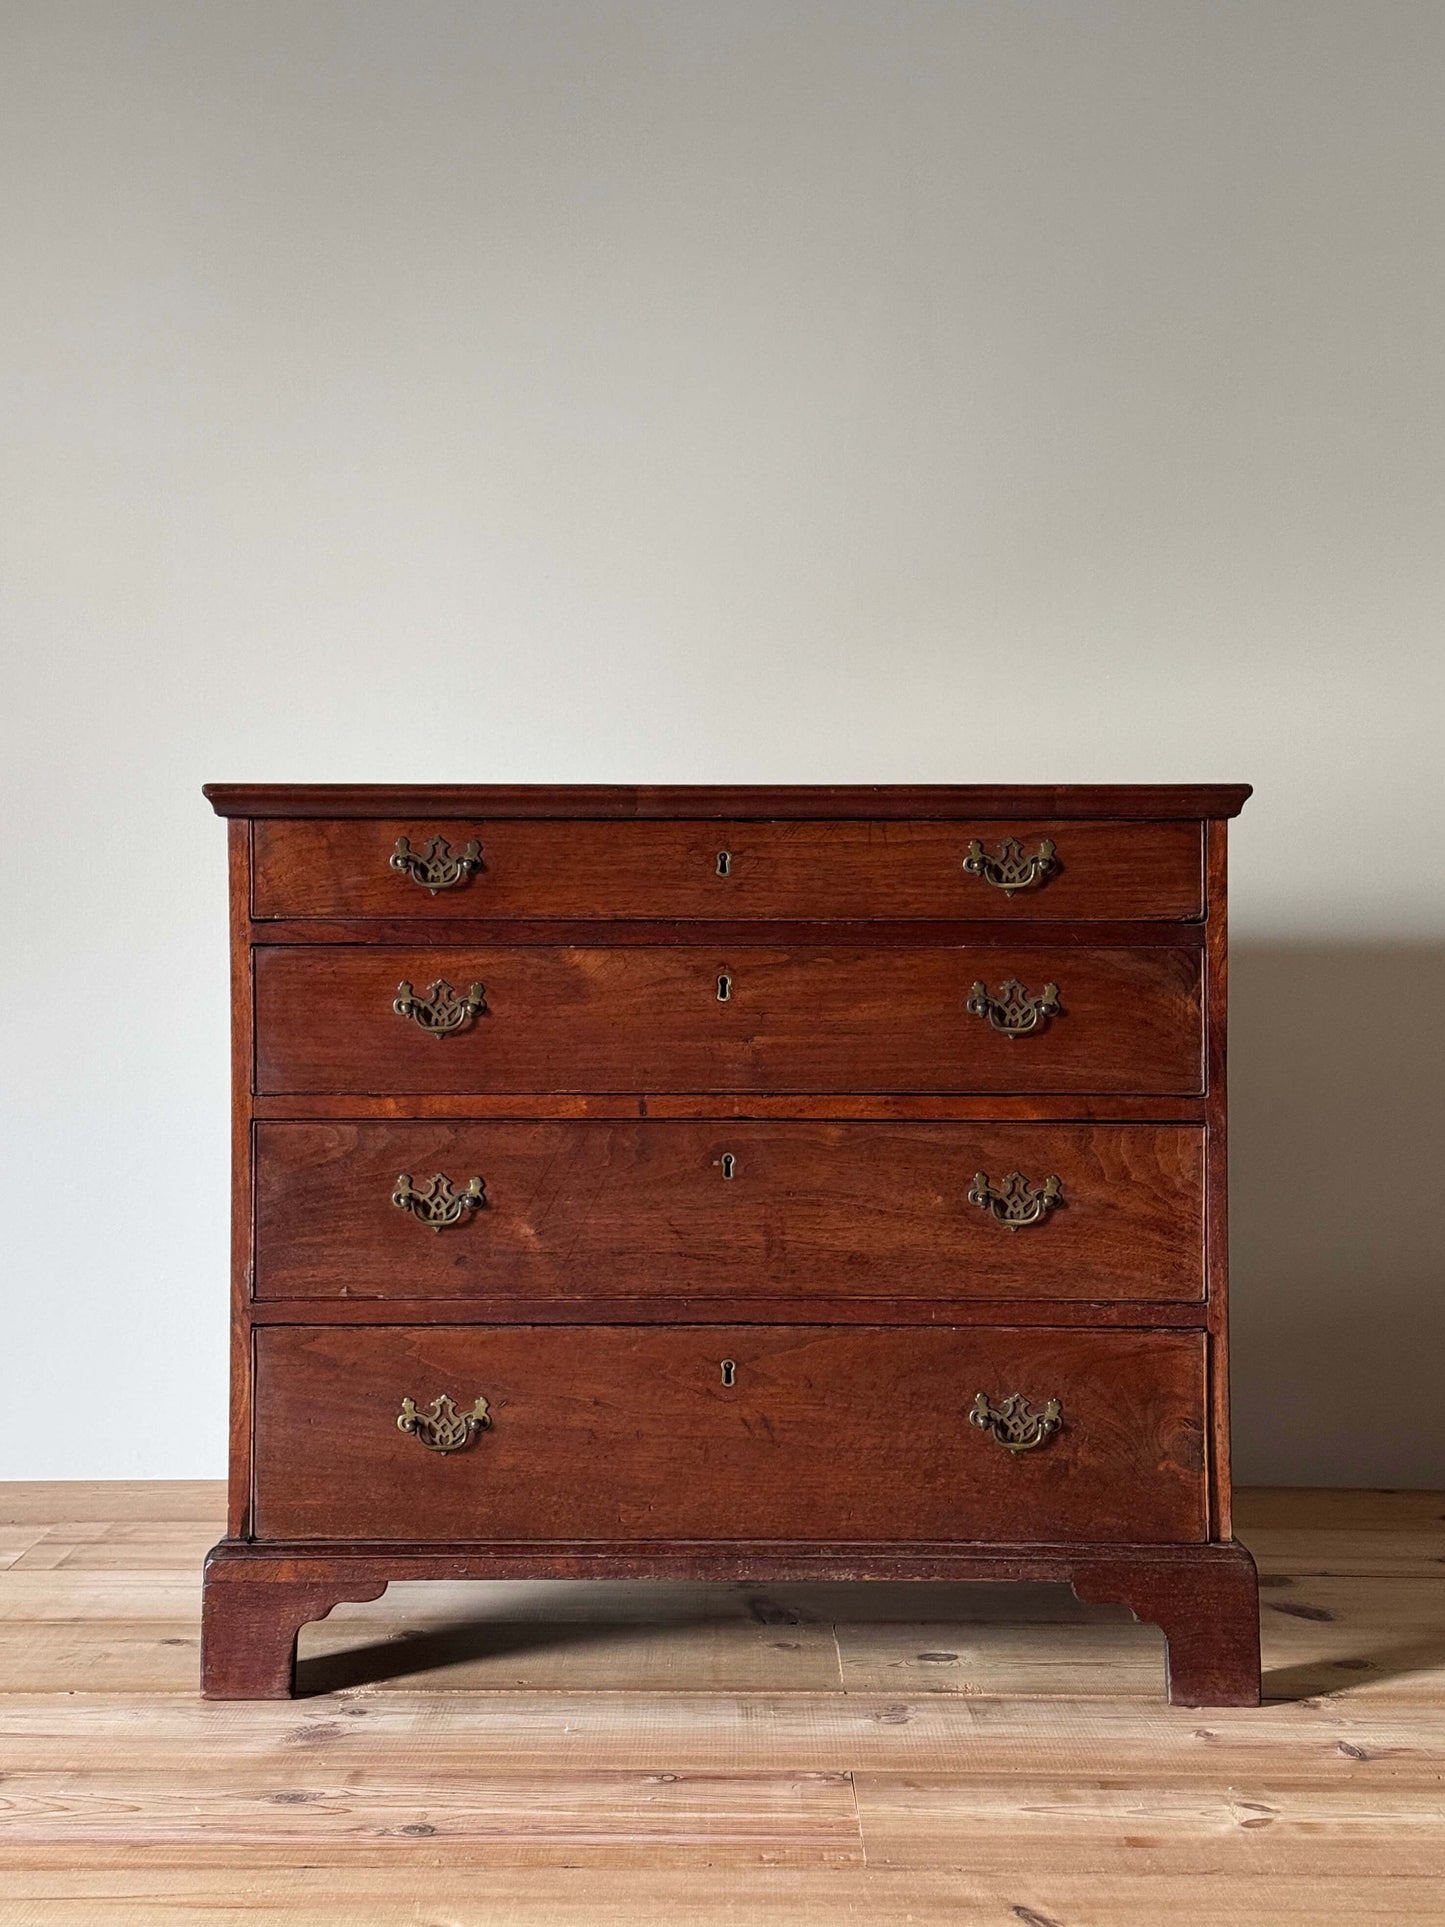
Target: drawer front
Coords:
[(632, 1433), (697, 1019), (603, 1209), (724, 870)]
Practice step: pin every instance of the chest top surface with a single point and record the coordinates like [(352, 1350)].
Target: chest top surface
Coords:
[(1125, 801)]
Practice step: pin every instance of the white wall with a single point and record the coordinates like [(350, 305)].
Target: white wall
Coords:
[(413, 390)]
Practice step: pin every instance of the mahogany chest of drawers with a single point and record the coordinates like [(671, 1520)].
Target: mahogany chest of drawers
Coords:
[(740, 1184)]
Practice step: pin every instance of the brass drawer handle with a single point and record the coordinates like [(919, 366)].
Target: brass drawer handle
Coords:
[(442, 1428), (1012, 1010), (434, 867), (1013, 1202), (1011, 1422), (1011, 870), (438, 1204), (442, 1009)]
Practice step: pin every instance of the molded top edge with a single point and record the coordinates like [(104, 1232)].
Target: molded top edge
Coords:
[(1139, 801)]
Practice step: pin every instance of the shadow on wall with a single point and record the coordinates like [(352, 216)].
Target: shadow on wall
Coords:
[(1337, 1155)]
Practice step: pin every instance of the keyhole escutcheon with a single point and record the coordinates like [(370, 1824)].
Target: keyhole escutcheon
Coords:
[(729, 1164), (724, 862), (729, 1370), (724, 987)]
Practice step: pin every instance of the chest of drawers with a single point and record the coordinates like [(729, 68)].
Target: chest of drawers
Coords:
[(739, 1184)]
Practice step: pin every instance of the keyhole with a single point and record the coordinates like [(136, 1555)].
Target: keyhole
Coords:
[(724, 862), (729, 1370), (724, 987), (729, 1164)]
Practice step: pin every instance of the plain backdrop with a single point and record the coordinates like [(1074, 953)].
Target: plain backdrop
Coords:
[(410, 390)]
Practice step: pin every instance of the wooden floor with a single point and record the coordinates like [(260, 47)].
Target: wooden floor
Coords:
[(800, 1756)]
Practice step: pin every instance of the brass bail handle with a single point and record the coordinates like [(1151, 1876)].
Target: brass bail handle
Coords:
[(1012, 1425), (1008, 869), (1014, 1202), (1010, 1009), (443, 1426), (435, 866), (440, 1010), (438, 1204)]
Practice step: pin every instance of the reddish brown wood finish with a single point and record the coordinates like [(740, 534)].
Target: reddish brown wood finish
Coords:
[(1207, 1609), (752, 1308), (1205, 1599), (1124, 802), (250, 1616), (681, 1209), (1216, 1235), (1117, 1107), (706, 933), (832, 868), (795, 1020), (613, 1432), (238, 1482), (842, 1449)]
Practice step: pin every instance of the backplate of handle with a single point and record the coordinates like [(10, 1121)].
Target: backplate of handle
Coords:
[(435, 866), (443, 1426), (1011, 1009), (440, 1009), (1012, 1425), (1009, 869), (1015, 1202), (438, 1204)]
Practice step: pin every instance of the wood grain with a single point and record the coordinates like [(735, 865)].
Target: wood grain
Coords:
[(1118, 1107), (622, 1818), (600, 1209), (1322, 1833), (440, 931), (749, 1897), (469, 1893), (1216, 1192), (828, 1435), (597, 869), (243, 1057), (747, 1307), (794, 1020)]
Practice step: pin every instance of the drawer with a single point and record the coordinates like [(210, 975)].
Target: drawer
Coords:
[(671, 1209), (587, 869), (631, 1433), (683, 1018)]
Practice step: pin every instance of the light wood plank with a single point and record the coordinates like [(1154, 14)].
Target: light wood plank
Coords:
[(61, 1501), (1109, 1660), (990, 1740), (1280, 1552), (1375, 1638), (299, 1805), (1331, 1508), (16, 1541), (120, 1545), (1324, 1833), (302, 1896), (684, 1656), (31, 1597), (136, 1656)]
